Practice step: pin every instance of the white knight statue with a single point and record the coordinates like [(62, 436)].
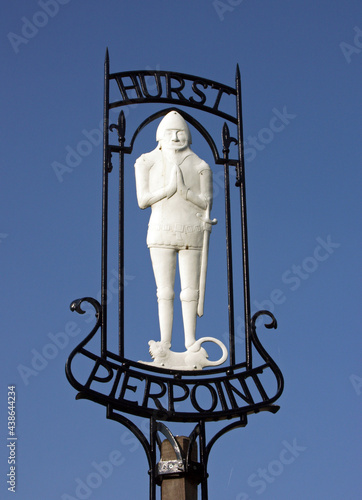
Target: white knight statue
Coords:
[(177, 185)]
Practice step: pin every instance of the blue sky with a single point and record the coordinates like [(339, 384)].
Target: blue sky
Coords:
[(302, 58)]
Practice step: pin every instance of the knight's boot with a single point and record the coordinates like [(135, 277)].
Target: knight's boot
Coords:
[(189, 300), (165, 298)]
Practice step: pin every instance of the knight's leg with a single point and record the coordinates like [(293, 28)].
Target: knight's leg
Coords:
[(189, 264), (164, 268)]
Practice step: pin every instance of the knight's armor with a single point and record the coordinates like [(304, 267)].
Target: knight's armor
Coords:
[(173, 222)]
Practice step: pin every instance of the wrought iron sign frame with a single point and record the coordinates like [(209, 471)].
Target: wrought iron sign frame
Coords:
[(229, 389)]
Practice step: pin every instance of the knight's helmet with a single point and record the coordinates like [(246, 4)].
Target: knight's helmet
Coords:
[(173, 120)]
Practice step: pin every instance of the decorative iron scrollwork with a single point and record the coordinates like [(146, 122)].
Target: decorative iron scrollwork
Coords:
[(230, 389), (120, 127), (162, 395), (227, 140)]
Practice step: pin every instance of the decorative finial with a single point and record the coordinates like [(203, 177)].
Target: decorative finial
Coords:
[(237, 76)]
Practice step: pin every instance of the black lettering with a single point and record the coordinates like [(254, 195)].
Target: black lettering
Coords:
[(218, 97), (172, 398), (230, 389), (249, 397), (198, 92), (125, 386), (155, 397), (221, 395), (115, 383), (176, 90), (144, 85), (123, 88), (260, 387), (213, 396)]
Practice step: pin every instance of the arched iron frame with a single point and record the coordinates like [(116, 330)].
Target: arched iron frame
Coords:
[(116, 364)]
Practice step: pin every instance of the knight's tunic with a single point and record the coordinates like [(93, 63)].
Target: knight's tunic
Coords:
[(173, 222)]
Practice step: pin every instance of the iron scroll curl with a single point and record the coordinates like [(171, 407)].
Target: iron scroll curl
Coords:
[(112, 382)]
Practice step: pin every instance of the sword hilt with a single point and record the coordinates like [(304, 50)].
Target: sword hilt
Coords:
[(206, 219)]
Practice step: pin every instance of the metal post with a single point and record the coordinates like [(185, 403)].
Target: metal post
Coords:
[(244, 231), (181, 486), (229, 259), (153, 437), (105, 208), (121, 139), (203, 460)]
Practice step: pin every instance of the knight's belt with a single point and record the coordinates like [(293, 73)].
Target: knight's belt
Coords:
[(175, 228)]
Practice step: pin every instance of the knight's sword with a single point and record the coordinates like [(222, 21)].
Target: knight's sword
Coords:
[(204, 257)]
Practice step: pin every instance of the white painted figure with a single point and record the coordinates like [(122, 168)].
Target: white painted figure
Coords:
[(177, 185)]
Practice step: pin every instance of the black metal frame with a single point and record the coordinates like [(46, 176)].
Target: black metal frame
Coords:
[(229, 386)]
